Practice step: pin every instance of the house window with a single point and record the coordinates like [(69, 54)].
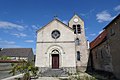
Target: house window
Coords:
[(77, 41), (78, 55), (55, 34), (74, 28), (112, 32), (78, 29)]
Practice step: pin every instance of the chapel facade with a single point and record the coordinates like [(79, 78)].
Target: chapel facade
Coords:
[(62, 46)]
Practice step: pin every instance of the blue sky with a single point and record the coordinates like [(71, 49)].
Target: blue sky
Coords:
[(19, 19)]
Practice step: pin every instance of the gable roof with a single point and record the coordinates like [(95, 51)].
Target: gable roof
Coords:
[(16, 52), (58, 21), (100, 38)]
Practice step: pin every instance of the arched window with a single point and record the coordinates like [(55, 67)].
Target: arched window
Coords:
[(74, 28), (78, 55), (78, 29), (77, 41)]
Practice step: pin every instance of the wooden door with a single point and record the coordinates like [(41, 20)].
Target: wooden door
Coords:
[(55, 61)]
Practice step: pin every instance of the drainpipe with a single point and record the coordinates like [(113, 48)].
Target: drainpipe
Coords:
[(88, 46)]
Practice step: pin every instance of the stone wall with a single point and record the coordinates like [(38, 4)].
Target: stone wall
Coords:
[(114, 42), (5, 66), (102, 59)]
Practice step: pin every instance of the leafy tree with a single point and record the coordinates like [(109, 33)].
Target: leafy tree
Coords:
[(27, 68), (4, 58)]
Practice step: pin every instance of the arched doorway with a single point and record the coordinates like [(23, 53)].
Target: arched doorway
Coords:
[(55, 59), (57, 52)]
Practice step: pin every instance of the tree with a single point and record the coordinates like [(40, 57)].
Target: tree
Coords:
[(4, 58), (26, 68)]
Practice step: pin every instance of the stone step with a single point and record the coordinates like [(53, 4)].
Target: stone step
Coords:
[(54, 73)]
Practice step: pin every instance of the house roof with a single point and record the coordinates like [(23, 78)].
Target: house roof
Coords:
[(58, 21), (16, 52), (118, 16), (100, 38)]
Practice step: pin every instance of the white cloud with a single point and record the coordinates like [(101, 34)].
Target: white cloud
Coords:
[(19, 34), (104, 16), (65, 21), (7, 44), (101, 31), (117, 8), (35, 27), (86, 28), (9, 25), (88, 13), (93, 34), (29, 41)]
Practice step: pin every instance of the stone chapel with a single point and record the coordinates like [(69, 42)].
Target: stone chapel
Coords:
[(62, 46)]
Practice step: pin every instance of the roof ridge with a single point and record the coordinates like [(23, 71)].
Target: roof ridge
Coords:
[(57, 19)]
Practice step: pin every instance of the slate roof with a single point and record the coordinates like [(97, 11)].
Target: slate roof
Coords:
[(101, 38), (16, 52)]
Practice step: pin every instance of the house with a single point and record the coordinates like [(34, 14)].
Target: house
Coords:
[(105, 49), (62, 46), (15, 54), (100, 51)]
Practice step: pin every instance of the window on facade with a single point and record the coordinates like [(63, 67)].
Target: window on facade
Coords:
[(78, 29), (78, 55), (77, 42), (112, 32), (74, 28)]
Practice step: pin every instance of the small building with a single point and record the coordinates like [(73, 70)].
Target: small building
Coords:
[(105, 49), (15, 54)]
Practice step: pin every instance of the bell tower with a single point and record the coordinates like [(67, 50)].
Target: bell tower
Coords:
[(77, 24)]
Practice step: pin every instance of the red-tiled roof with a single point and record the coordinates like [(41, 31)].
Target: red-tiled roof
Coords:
[(100, 38)]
